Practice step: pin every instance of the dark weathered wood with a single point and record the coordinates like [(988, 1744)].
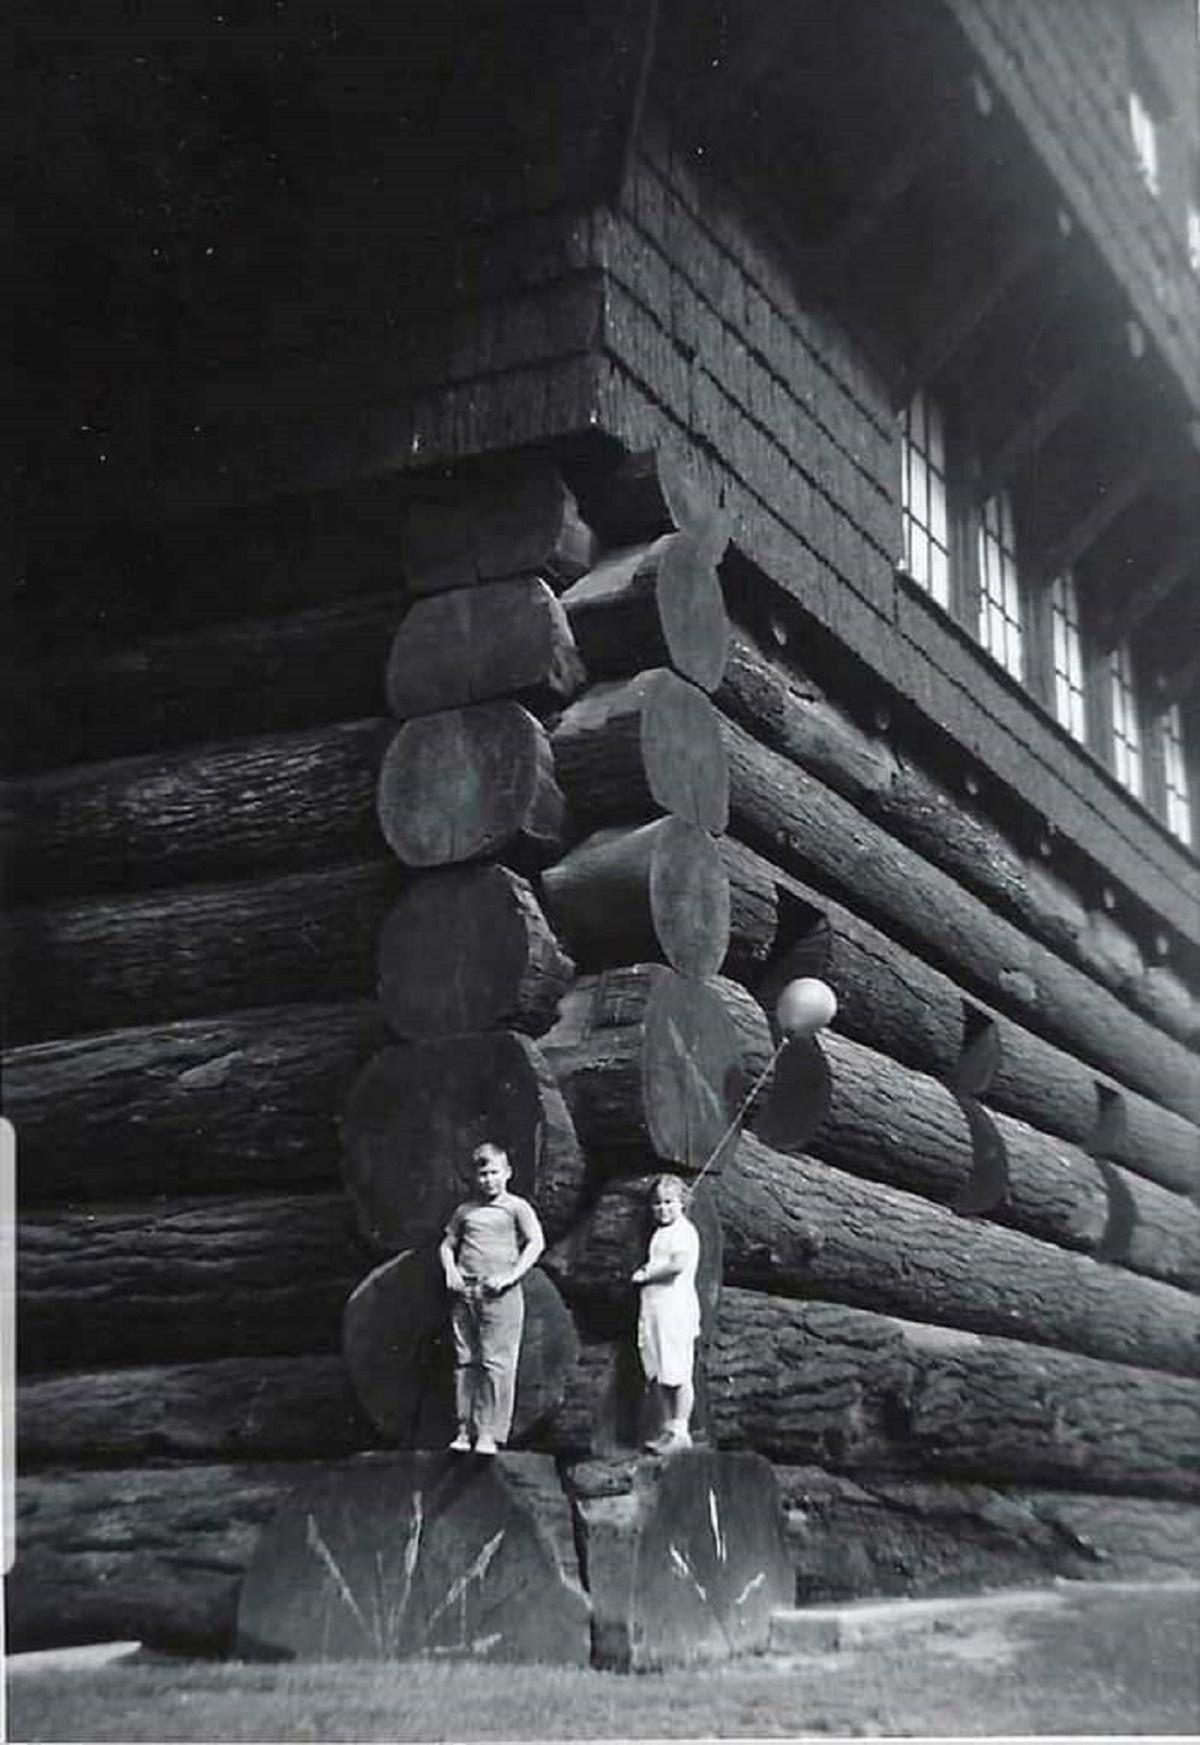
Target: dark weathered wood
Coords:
[(685, 1558), (259, 676), (468, 949), (652, 493), (650, 606), (792, 713), (626, 751), (523, 522), (782, 810), (249, 1099), (474, 644), (146, 1554), (469, 783), (417, 1112), (861, 1392), (151, 1281), (656, 892), (96, 963), (855, 1538), (278, 804), (893, 1001), (649, 1065), (398, 1350), (753, 911), (236, 1408), (797, 1226), (420, 1554)]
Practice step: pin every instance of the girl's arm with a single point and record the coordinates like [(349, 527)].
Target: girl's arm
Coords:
[(447, 1254)]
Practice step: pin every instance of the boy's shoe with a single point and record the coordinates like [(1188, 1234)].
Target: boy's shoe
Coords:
[(670, 1442), (485, 1444), (461, 1443)]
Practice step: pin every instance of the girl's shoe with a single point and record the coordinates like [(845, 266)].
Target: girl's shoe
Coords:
[(485, 1444)]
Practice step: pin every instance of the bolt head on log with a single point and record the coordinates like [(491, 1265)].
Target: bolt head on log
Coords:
[(649, 1064), (510, 640), (400, 1355), (398, 1556), (469, 949), (650, 744), (686, 1556), (417, 1112), (649, 606), (659, 891), (470, 784)]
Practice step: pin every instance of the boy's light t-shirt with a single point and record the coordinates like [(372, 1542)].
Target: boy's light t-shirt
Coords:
[(488, 1235)]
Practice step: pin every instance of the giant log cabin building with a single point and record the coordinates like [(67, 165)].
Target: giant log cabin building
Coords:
[(545, 522)]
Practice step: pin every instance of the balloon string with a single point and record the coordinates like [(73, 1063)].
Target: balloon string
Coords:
[(757, 1086)]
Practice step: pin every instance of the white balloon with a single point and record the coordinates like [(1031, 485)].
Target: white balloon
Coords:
[(805, 1006)]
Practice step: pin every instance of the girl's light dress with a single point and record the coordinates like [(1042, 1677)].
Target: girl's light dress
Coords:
[(669, 1315)]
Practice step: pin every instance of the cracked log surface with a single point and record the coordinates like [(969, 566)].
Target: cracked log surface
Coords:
[(399, 1353), (467, 784), (469, 949), (649, 606), (203, 1104), (275, 804), (796, 1226), (402, 1555), (99, 963), (685, 1557), (859, 1392), (879, 1534), (628, 750), (417, 1111), (782, 810), (474, 644), (152, 1281)]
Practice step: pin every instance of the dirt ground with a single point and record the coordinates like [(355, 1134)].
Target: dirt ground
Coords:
[(1097, 1660)]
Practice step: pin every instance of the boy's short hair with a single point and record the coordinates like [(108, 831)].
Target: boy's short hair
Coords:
[(489, 1152)]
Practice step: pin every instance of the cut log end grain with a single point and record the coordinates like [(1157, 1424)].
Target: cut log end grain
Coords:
[(659, 891), (651, 744), (399, 1354), (650, 606), (651, 493), (649, 1064), (400, 1556), (515, 523), (510, 640), (465, 784), (416, 1113), (469, 949)]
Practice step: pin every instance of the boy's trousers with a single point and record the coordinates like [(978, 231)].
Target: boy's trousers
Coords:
[(487, 1342)]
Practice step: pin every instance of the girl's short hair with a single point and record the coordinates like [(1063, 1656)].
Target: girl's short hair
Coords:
[(489, 1153), (676, 1183)]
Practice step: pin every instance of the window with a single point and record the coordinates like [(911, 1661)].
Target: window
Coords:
[(1145, 139), (1000, 621), (1175, 775), (924, 498), (1070, 697), (1193, 236), (1126, 731)]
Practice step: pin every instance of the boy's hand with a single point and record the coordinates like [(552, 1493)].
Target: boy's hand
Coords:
[(497, 1284)]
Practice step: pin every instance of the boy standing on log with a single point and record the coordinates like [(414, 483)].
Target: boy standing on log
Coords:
[(669, 1313), (491, 1242)]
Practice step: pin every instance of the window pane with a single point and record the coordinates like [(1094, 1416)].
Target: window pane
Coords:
[(925, 509), (1126, 734), (1000, 626), (1175, 775), (1069, 700)]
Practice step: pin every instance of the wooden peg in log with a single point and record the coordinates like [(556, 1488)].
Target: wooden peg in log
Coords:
[(650, 744), (416, 1113), (398, 1349), (469, 949), (649, 1065), (511, 640), (652, 605), (465, 784), (651, 493), (527, 523), (658, 891)]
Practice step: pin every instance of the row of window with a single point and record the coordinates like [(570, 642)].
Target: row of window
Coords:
[(1144, 129), (967, 557)]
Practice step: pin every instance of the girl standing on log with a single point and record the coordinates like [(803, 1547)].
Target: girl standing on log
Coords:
[(669, 1314), (491, 1242)]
